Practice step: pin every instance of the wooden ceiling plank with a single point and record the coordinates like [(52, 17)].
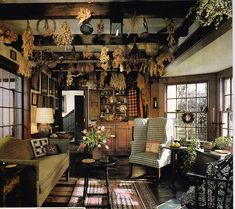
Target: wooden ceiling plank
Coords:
[(111, 10)]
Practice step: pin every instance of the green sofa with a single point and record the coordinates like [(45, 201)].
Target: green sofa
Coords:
[(42, 173)]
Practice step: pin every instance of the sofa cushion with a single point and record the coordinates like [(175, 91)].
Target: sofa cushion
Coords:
[(52, 149), (49, 168), (16, 149), (39, 146)]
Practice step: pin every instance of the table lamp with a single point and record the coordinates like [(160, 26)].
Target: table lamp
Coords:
[(44, 116)]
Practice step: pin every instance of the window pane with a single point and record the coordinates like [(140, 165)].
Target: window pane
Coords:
[(171, 105), (227, 102), (179, 121), (171, 91), (231, 120), (191, 132), (6, 116), (1, 117), (1, 97), (19, 133), (18, 116), (181, 91), (201, 89), (19, 84), (201, 119), (191, 90), (181, 104), (192, 105), (225, 120), (201, 104), (227, 86), (171, 115), (18, 97), (180, 133)]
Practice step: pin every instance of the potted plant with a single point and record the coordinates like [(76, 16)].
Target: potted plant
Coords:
[(95, 140), (223, 142)]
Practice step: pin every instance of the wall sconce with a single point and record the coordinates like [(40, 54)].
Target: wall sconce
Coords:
[(44, 116), (155, 103)]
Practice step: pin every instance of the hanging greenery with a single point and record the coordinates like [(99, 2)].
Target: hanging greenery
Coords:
[(209, 11)]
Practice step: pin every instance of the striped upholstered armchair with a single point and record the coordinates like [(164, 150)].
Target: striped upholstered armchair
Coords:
[(149, 138)]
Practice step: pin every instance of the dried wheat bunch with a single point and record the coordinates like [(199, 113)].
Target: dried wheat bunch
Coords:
[(6, 34), (102, 79), (83, 14), (69, 79), (47, 31), (28, 40), (64, 36), (171, 30), (87, 53), (118, 81), (166, 56), (25, 67), (118, 58)]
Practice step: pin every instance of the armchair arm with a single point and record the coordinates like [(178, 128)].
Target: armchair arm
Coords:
[(137, 146)]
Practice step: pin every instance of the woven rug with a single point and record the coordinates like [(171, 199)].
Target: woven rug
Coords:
[(125, 194), (170, 204)]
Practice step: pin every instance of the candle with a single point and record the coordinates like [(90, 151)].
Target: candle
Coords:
[(213, 114)]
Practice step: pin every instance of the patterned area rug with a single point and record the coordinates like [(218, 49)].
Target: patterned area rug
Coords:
[(125, 194), (170, 204)]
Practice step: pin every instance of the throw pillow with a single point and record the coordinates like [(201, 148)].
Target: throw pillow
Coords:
[(39, 146), (152, 146), (52, 149)]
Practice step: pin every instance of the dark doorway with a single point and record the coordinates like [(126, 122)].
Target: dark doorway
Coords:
[(79, 118)]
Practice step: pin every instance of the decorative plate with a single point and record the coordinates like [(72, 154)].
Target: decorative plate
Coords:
[(123, 108)]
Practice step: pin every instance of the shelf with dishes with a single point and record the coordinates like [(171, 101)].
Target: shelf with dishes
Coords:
[(113, 105)]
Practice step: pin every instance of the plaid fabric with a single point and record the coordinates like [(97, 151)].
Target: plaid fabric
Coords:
[(132, 103)]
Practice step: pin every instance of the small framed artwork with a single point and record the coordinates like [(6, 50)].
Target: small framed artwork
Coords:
[(116, 28), (13, 55), (34, 99)]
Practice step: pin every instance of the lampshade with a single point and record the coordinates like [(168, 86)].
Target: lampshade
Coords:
[(44, 115)]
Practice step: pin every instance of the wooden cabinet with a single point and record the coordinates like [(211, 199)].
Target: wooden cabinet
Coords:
[(120, 145), (94, 104)]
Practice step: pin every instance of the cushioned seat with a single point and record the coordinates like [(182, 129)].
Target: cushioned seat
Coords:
[(156, 133)]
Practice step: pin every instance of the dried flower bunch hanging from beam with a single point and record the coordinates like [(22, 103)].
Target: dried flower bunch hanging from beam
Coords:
[(46, 30), (28, 42), (209, 11), (87, 53), (64, 36), (104, 58), (26, 65), (6, 34), (83, 14), (118, 59), (118, 81), (102, 79), (170, 38), (166, 56)]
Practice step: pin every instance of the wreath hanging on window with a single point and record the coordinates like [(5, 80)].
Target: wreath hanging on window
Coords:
[(188, 117)]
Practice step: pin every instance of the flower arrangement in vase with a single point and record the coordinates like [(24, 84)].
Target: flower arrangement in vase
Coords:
[(96, 139)]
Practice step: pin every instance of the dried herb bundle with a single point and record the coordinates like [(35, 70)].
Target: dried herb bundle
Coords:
[(28, 40), (83, 14), (25, 67), (6, 34), (118, 81), (64, 36)]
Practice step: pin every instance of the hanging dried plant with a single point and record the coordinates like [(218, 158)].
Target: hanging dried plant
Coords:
[(140, 82), (100, 27), (47, 31), (104, 58), (69, 79), (102, 79), (83, 14), (118, 81), (87, 53), (118, 58), (208, 11), (152, 67), (25, 67), (64, 36), (6, 34), (28, 40), (166, 56), (170, 38)]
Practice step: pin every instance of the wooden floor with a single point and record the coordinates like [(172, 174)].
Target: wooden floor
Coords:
[(163, 188)]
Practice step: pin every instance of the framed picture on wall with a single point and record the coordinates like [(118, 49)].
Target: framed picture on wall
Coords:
[(34, 99)]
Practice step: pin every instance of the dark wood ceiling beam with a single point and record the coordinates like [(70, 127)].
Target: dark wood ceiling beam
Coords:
[(111, 10)]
